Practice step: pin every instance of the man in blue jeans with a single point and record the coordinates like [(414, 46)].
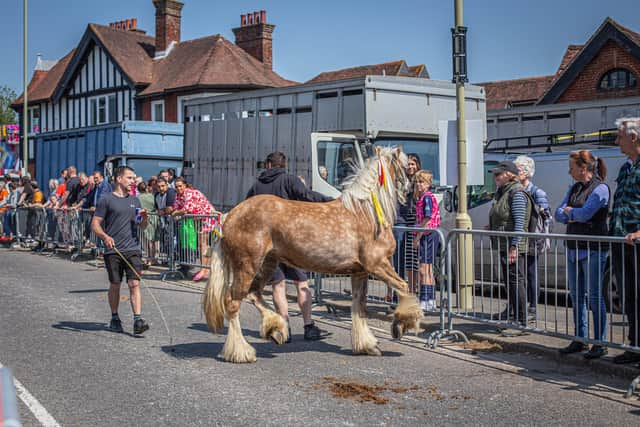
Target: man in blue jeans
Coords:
[(625, 222)]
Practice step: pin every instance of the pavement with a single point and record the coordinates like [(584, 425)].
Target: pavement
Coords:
[(54, 314)]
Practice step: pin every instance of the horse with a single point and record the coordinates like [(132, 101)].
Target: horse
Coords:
[(351, 235)]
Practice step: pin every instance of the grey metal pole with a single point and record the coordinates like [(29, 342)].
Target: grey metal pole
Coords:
[(25, 108), (463, 220)]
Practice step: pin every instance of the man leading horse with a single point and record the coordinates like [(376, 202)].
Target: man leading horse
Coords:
[(351, 235), (276, 181)]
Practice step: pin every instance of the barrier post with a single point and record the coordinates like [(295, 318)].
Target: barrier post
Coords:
[(172, 273), (8, 401), (317, 283), (446, 330)]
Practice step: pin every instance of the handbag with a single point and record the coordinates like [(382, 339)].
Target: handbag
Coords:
[(188, 234)]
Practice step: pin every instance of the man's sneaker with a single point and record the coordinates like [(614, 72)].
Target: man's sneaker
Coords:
[(505, 315), (574, 347), (431, 305), (312, 332), (596, 352), (139, 326), (424, 306), (627, 357), (115, 325)]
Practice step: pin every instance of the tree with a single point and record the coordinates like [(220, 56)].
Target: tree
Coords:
[(7, 115)]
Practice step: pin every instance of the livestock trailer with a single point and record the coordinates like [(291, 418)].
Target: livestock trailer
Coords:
[(227, 137)]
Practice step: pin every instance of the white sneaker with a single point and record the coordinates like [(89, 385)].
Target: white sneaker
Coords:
[(431, 305), (424, 306)]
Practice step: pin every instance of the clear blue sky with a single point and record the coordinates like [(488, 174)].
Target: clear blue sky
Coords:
[(507, 38)]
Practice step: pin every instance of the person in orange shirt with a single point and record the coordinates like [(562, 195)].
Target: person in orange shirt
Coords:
[(4, 194)]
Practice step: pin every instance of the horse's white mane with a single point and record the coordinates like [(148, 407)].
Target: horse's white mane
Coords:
[(357, 195)]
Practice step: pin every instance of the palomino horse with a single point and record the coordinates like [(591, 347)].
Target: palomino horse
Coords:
[(351, 235)]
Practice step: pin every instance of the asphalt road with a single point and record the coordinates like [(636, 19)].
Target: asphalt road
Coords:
[(53, 315)]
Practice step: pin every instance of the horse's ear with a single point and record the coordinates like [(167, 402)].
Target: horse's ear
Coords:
[(399, 149), (377, 150)]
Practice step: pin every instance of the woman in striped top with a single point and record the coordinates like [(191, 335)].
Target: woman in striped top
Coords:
[(511, 212)]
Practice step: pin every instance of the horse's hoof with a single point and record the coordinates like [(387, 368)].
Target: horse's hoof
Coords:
[(277, 337), (375, 351), (396, 330)]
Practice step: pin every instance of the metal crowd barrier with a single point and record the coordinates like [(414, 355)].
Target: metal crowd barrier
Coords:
[(194, 237), (69, 231), (553, 282), (406, 261)]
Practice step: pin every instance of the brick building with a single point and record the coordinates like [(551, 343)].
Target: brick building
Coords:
[(118, 72), (607, 66)]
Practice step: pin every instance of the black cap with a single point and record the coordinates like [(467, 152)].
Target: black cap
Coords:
[(506, 166)]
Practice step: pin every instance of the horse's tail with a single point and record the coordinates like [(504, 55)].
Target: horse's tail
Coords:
[(213, 303)]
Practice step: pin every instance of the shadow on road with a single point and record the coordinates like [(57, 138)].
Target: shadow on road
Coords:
[(88, 291), (264, 349), (89, 327)]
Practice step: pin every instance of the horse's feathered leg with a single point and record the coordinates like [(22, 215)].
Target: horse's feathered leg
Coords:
[(236, 349), (362, 340), (273, 325), (408, 313)]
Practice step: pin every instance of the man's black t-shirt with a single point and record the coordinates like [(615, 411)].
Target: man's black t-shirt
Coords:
[(28, 193), (73, 187), (119, 214)]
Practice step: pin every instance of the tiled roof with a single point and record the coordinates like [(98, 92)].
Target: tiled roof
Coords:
[(43, 83), (210, 61), (572, 51), (502, 94), (419, 71), (634, 36), (395, 68), (133, 51)]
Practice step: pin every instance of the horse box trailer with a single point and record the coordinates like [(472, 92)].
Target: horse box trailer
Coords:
[(321, 128)]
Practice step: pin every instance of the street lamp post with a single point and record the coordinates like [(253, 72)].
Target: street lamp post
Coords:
[(463, 221), (25, 108)]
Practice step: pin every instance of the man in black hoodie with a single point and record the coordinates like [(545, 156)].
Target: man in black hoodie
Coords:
[(276, 181)]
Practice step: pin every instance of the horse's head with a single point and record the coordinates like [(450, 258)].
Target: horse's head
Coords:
[(397, 162)]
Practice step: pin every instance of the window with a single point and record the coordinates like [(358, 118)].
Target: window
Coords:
[(427, 150), (618, 78), (102, 109), (34, 120), (336, 161), (157, 111), (478, 195)]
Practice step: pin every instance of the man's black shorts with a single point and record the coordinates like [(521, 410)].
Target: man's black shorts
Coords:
[(289, 273), (116, 266)]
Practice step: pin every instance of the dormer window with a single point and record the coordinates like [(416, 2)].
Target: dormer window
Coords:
[(618, 78)]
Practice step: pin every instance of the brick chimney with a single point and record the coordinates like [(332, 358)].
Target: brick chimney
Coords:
[(167, 23), (254, 35)]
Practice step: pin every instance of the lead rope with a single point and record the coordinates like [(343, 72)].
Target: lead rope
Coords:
[(164, 321)]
